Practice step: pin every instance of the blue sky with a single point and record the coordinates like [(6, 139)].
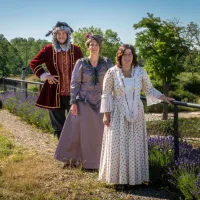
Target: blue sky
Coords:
[(26, 18)]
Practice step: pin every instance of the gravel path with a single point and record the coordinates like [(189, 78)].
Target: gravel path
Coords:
[(30, 137), (26, 135)]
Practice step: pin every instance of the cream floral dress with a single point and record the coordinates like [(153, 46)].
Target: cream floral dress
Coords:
[(124, 154)]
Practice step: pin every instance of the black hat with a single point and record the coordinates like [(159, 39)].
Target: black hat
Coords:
[(61, 25), (89, 36)]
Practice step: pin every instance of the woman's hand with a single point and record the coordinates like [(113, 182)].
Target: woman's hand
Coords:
[(166, 99), (51, 79), (74, 109), (106, 119)]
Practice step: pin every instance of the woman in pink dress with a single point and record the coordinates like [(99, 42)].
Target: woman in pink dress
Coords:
[(81, 137)]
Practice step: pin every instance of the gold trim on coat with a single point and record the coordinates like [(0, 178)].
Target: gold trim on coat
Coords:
[(55, 61), (35, 70), (45, 106)]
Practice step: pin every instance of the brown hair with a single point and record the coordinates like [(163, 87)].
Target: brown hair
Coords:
[(90, 37), (120, 53)]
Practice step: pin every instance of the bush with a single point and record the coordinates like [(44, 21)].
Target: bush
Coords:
[(192, 85), (175, 86), (181, 95), (26, 109), (158, 85), (188, 127), (182, 175), (160, 155), (158, 108), (34, 89)]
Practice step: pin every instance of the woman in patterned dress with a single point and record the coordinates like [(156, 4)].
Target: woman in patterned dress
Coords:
[(81, 137), (124, 155)]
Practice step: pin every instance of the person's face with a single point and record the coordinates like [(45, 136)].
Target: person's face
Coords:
[(61, 36), (94, 47), (127, 57)]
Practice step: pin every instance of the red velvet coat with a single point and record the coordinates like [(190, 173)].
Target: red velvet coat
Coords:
[(50, 94)]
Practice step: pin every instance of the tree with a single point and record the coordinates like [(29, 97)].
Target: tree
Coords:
[(192, 61), (27, 49), (14, 61), (110, 45), (161, 45), (4, 44), (191, 34)]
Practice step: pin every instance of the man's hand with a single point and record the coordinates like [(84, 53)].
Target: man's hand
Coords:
[(51, 79)]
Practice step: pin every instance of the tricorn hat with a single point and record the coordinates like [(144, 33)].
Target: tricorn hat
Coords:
[(60, 26)]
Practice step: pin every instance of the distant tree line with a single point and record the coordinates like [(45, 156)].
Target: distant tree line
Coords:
[(18, 52)]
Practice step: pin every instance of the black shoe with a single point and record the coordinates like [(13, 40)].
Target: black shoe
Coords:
[(57, 134)]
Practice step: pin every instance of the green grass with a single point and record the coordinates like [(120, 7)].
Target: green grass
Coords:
[(6, 147)]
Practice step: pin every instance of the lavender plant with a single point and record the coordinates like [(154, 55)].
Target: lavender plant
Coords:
[(160, 155), (25, 107)]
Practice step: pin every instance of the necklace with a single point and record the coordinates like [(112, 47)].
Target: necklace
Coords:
[(131, 116)]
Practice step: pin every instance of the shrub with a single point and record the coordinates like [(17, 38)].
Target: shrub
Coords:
[(192, 85), (34, 89), (160, 155), (26, 109), (158, 85), (183, 175), (158, 108), (188, 127), (181, 95)]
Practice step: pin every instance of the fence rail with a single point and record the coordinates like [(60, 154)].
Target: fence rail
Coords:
[(17, 84)]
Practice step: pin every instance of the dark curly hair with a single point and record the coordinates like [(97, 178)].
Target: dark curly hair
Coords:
[(120, 53)]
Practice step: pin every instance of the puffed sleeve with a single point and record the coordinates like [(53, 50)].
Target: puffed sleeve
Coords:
[(151, 93), (106, 97), (76, 81)]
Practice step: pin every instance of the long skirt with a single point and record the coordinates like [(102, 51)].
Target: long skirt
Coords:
[(81, 137), (124, 157)]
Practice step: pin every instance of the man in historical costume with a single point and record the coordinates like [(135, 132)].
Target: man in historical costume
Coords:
[(59, 58)]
